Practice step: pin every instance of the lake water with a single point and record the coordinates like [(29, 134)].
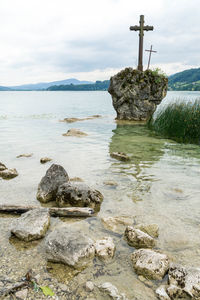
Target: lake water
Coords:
[(159, 185)]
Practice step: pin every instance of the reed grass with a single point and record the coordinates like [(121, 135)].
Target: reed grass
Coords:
[(178, 121)]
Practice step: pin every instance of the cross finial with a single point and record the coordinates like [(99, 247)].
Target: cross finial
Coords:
[(141, 29)]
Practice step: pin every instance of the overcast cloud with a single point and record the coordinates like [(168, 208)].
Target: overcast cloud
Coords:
[(47, 40)]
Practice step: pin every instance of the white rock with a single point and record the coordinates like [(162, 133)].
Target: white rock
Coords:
[(105, 248), (32, 225), (151, 264), (22, 294), (89, 286), (70, 247), (111, 290), (138, 238), (161, 293)]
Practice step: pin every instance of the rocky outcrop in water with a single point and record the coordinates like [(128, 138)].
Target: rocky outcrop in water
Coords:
[(32, 225), (6, 173), (69, 247), (138, 238), (45, 159), (105, 248), (78, 194), (48, 186), (136, 94), (75, 132)]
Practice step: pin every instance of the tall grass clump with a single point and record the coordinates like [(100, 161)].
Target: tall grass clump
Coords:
[(178, 121)]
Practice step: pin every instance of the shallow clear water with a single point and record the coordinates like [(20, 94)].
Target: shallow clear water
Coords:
[(159, 185)]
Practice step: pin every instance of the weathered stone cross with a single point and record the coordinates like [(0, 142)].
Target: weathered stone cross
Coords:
[(141, 29)]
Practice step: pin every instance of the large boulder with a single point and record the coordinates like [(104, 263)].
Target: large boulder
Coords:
[(32, 225), (48, 186), (69, 247), (78, 194), (150, 264), (136, 94), (138, 238)]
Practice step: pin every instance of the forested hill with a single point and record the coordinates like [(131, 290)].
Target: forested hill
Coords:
[(188, 80), (97, 86)]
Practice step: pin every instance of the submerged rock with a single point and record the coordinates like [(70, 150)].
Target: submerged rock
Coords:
[(120, 156), (72, 120), (150, 264), (32, 225), (117, 224), (2, 167), (138, 238), (105, 248), (77, 179), (162, 293), (136, 94), (25, 155), (75, 132), (110, 183), (44, 160), (70, 247), (151, 229), (48, 186), (78, 194), (112, 291), (8, 173), (186, 279)]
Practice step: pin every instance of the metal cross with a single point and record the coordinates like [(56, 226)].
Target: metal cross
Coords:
[(141, 29), (150, 51)]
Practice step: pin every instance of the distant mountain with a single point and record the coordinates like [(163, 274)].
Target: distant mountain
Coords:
[(4, 88), (45, 85), (97, 86), (188, 80)]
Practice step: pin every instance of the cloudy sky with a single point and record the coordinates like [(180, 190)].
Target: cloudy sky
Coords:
[(47, 40)]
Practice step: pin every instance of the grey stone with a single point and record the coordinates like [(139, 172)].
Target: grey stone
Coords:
[(136, 94), (2, 167), (151, 264), (78, 194), (105, 248), (112, 291), (48, 186), (138, 238), (120, 156), (22, 294), (151, 229), (89, 286), (8, 173), (187, 279), (69, 247), (25, 155), (118, 223), (161, 293), (75, 132), (32, 225), (44, 160)]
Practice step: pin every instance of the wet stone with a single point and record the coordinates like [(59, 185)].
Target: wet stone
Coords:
[(151, 264), (120, 156), (69, 247), (44, 160), (151, 229), (32, 225), (117, 224), (161, 293), (138, 238), (112, 291), (2, 167), (105, 248), (75, 132), (89, 286), (22, 295), (78, 194), (48, 186), (25, 155), (8, 173)]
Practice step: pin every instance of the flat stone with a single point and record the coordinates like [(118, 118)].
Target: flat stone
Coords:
[(8, 173), (32, 225), (110, 182), (138, 239), (78, 194), (48, 186), (22, 294), (75, 132), (151, 229), (44, 160), (117, 224), (187, 279), (151, 264), (105, 248), (25, 155), (120, 156), (161, 293), (70, 247), (77, 179), (112, 291), (72, 120), (89, 286)]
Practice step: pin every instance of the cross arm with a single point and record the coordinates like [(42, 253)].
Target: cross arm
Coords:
[(135, 28), (147, 28)]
